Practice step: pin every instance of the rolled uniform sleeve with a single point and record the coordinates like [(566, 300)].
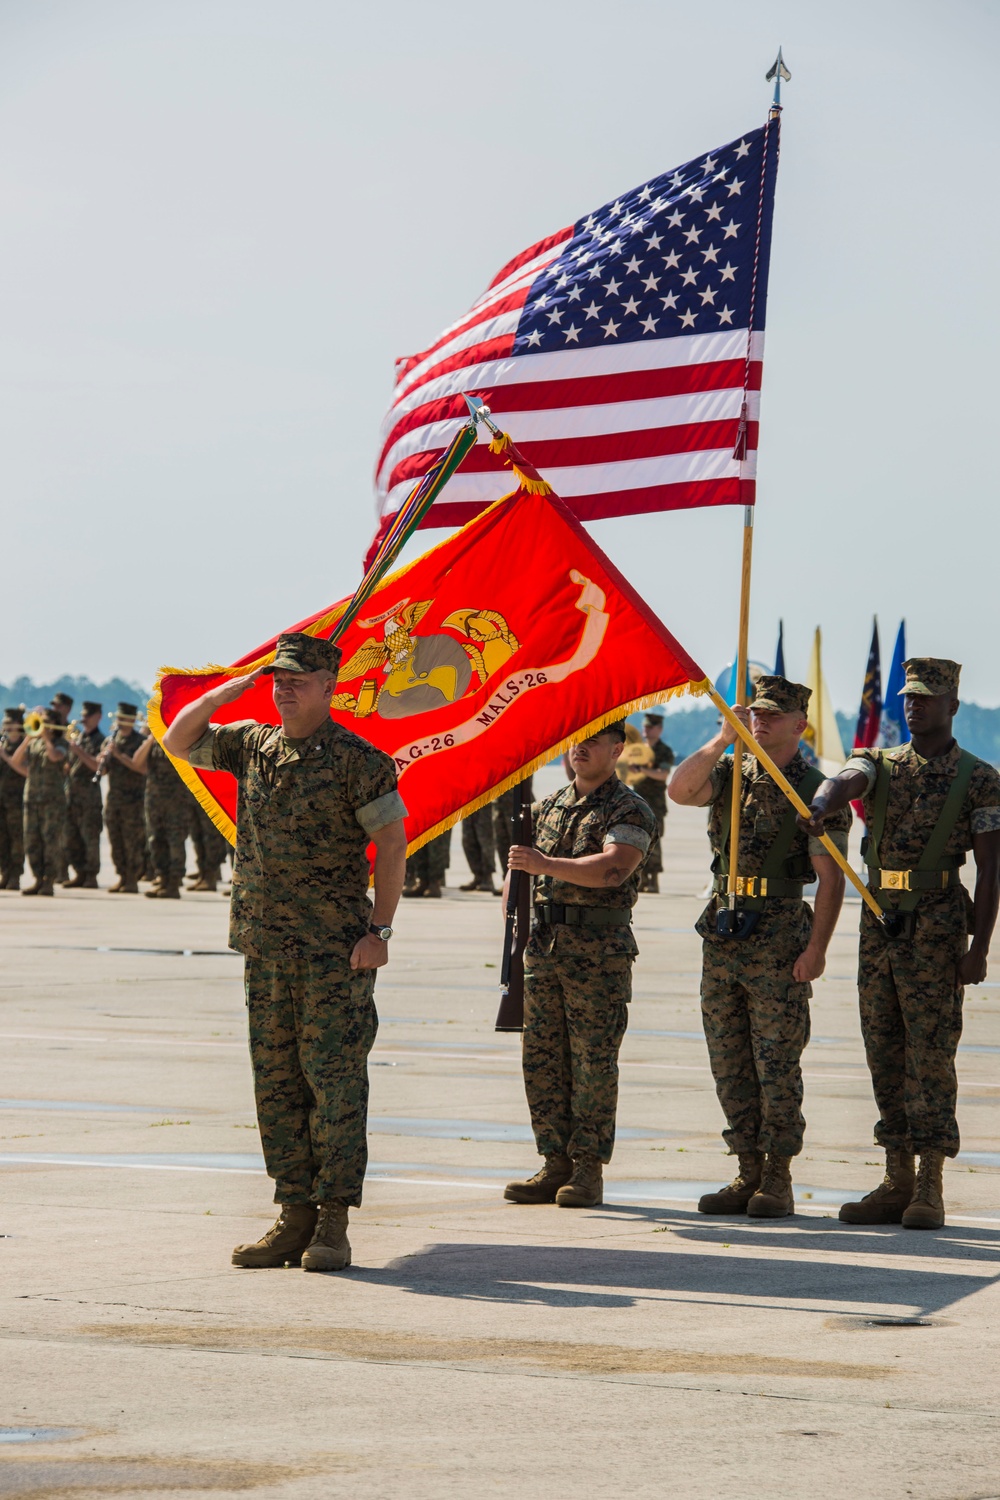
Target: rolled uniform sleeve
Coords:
[(629, 833), (372, 791), (837, 837), (221, 748), (866, 765)]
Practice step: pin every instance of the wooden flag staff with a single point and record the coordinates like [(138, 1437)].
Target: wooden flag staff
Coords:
[(793, 797)]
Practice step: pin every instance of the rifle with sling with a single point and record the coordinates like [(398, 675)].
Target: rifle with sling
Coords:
[(517, 923)]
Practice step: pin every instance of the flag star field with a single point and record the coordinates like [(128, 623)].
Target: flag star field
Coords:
[(622, 354)]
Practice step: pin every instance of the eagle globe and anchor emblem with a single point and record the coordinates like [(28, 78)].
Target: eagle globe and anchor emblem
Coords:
[(403, 673)]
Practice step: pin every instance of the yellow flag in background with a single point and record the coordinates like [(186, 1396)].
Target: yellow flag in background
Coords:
[(822, 734)]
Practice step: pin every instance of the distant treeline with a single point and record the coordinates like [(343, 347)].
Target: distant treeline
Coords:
[(977, 729), (116, 690)]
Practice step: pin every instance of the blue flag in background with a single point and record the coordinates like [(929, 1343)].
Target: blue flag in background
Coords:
[(894, 730), (779, 655)]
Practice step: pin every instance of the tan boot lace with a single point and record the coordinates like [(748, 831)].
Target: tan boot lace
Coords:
[(774, 1178), (330, 1222), (926, 1189)]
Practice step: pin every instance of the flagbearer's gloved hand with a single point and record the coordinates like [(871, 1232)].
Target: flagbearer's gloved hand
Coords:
[(816, 824), (727, 734), (228, 692)]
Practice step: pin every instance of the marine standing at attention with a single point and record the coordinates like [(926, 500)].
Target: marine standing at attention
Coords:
[(311, 797), (652, 785), (755, 986), (590, 839), (11, 802), (41, 758), (167, 805), (124, 817), (926, 805), (84, 805)]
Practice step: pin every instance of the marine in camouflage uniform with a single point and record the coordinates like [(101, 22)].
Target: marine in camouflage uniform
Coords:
[(84, 804), (755, 990), (211, 848), (44, 757), (503, 820), (578, 980), (11, 802), (167, 812), (425, 870), (654, 792), (911, 976), (477, 846), (124, 809), (307, 810)]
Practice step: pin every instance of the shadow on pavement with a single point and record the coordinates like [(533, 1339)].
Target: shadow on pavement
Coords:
[(599, 1276)]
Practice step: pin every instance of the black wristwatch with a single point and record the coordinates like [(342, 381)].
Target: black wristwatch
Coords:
[(384, 933)]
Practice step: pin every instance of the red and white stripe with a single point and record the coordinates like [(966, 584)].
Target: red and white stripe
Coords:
[(616, 430)]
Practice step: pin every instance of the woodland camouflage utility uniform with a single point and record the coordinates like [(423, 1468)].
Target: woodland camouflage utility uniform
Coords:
[(124, 815), (477, 846), (211, 848), (84, 810), (909, 989), (45, 811), (655, 793), (167, 811), (578, 972), (428, 865), (306, 813), (11, 819), (756, 1017)]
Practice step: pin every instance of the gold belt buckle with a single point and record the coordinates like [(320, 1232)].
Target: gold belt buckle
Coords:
[(895, 880), (747, 885)]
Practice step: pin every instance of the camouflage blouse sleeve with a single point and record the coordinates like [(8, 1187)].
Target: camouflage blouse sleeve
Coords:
[(838, 826), (865, 761), (221, 748), (984, 792), (720, 777), (372, 791)]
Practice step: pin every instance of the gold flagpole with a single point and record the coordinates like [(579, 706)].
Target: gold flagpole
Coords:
[(778, 72), (786, 786)]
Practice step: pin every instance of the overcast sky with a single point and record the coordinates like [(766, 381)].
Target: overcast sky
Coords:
[(222, 221)]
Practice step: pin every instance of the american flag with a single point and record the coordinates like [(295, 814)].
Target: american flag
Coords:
[(622, 354)]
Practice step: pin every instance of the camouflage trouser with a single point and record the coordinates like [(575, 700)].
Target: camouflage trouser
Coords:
[(211, 848), (503, 827), (575, 1015), (911, 1020), (166, 832), (430, 862), (653, 863), (756, 1021), (11, 837), (311, 1031), (45, 836), (126, 825), (84, 821), (477, 845)]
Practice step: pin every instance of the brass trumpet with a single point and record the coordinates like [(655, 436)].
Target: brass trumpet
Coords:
[(34, 725), (636, 758)]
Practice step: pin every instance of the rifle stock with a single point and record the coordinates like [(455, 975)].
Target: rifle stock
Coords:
[(517, 922)]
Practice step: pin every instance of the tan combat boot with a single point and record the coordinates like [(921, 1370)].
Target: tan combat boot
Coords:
[(889, 1200), (926, 1211), (415, 890), (585, 1188), (433, 888), (541, 1188), (329, 1249), (734, 1198), (33, 890), (285, 1241), (773, 1199)]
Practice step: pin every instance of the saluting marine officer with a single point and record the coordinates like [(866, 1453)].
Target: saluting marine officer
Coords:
[(590, 839), (926, 804), (756, 970), (311, 796)]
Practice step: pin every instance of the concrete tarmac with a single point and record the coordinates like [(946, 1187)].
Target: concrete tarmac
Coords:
[(475, 1347)]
